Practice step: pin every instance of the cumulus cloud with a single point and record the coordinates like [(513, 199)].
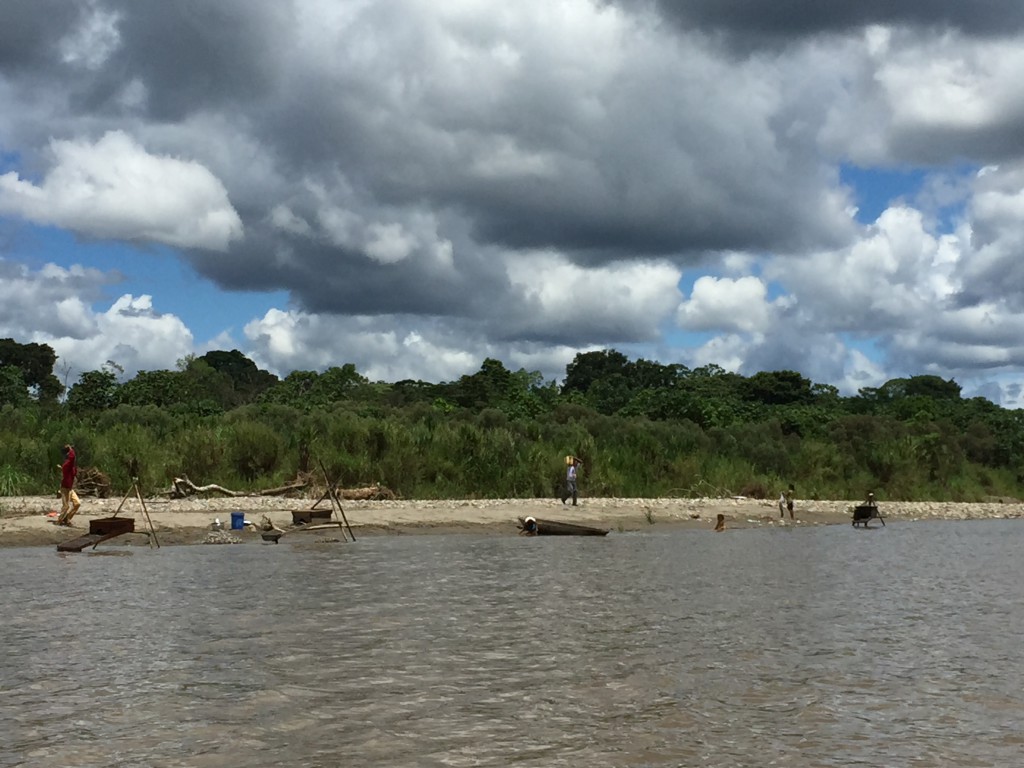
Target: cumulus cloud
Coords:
[(557, 300), (434, 183), (388, 348), (130, 333), (114, 189), (55, 306), (52, 301), (726, 304)]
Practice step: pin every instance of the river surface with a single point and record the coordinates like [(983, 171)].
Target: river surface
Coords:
[(824, 646)]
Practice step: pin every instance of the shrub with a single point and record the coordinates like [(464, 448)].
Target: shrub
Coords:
[(254, 450)]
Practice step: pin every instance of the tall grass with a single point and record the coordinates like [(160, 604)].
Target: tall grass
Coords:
[(425, 452), (12, 482)]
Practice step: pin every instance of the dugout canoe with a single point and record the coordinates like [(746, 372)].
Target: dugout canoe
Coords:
[(558, 528)]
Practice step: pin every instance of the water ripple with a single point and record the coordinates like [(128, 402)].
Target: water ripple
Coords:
[(808, 647)]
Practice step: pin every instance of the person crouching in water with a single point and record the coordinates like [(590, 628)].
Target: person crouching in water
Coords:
[(69, 501), (786, 502)]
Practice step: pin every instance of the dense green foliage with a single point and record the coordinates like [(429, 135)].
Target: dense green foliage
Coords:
[(641, 428)]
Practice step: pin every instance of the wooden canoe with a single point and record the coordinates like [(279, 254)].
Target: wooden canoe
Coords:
[(557, 528)]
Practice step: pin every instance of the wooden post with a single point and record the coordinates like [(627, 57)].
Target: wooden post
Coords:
[(335, 499), (129, 493), (325, 495), (342, 511), (138, 495), (152, 530)]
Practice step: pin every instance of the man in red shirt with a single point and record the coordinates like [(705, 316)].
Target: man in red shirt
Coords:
[(69, 501)]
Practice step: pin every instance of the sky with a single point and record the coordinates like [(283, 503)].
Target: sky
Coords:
[(413, 186)]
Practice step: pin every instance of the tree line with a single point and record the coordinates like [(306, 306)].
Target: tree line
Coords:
[(642, 428)]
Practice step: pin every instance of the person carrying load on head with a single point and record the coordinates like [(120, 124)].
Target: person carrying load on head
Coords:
[(570, 479), (69, 501)]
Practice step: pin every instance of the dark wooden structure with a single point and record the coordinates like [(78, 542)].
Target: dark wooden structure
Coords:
[(100, 530), (314, 519), (865, 513), (104, 528), (556, 528), (307, 516)]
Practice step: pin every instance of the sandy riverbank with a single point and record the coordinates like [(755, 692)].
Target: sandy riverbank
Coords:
[(24, 521)]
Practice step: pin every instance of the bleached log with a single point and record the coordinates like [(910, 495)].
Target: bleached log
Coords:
[(182, 487), (369, 493), (280, 491)]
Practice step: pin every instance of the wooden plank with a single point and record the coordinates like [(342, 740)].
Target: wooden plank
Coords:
[(80, 543)]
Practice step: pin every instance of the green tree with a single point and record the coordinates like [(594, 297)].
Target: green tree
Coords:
[(932, 387), (646, 374), (35, 361), (336, 384), (12, 387), (487, 388), (588, 367), (94, 391), (779, 388), (161, 388), (294, 390), (247, 380)]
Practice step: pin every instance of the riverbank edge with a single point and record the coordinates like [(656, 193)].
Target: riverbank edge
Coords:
[(24, 521)]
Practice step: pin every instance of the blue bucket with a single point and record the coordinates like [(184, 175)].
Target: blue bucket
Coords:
[(237, 521)]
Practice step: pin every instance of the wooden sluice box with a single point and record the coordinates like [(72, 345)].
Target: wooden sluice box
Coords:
[(100, 529), (306, 516), (106, 526)]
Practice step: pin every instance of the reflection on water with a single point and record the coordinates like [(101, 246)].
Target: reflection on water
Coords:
[(795, 647)]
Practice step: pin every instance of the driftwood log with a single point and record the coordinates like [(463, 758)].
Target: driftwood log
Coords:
[(284, 489), (182, 487), (375, 492)]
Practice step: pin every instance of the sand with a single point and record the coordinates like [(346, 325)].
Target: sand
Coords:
[(24, 521)]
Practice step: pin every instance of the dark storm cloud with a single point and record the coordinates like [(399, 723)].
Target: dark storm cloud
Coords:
[(336, 280), (199, 55), (754, 20), (30, 31), (392, 136), (521, 173)]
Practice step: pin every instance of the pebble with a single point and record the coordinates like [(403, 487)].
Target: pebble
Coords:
[(221, 537)]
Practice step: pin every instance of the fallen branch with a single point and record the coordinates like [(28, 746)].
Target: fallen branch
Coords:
[(182, 487), (282, 490)]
